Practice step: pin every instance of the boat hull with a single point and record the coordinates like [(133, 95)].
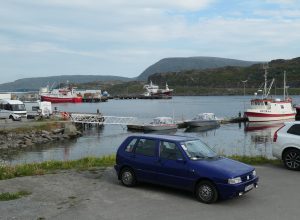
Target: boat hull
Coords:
[(201, 123), (159, 127), (61, 99), (260, 117)]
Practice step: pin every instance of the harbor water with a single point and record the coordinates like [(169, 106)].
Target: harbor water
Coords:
[(249, 139)]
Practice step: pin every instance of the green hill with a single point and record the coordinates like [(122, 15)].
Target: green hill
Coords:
[(33, 84), (220, 81), (178, 64), (228, 80)]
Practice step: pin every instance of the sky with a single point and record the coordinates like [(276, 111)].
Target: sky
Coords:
[(123, 37)]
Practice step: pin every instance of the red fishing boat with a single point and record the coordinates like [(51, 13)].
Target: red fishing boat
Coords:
[(60, 95)]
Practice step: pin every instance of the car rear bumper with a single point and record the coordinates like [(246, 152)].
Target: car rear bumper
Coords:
[(277, 151), (227, 191)]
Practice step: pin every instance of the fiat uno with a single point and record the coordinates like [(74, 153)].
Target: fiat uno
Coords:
[(185, 163)]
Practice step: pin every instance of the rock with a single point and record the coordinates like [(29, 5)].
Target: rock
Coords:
[(47, 137), (70, 130), (65, 136), (4, 146), (27, 137), (28, 143), (58, 131), (45, 132)]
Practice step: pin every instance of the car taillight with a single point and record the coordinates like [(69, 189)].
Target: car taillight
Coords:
[(276, 135)]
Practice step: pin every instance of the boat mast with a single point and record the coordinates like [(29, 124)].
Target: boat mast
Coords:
[(284, 84), (265, 67)]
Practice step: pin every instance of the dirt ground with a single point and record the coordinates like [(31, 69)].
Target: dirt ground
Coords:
[(97, 194)]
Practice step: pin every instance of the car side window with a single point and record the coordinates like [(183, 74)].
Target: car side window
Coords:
[(130, 146), (294, 129), (146, 147), (169, 150)]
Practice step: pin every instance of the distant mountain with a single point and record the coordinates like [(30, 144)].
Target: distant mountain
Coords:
[(32, 84), (178, 64), (229, 79)]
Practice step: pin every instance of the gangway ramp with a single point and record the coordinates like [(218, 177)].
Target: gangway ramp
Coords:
[(99, 119)]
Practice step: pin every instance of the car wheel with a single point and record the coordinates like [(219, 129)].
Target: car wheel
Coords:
[(206, 192), (128, 177), (291, 159)]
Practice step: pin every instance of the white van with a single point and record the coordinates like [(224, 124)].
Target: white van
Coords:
[(38, 108), (12, 108)]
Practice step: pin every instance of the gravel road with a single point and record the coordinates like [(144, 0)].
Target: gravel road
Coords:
[(97, 194)]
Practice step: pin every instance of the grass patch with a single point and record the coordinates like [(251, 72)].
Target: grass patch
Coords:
[(257, 160), (6, 196), (89, 163), (8, 172), (33, 126)]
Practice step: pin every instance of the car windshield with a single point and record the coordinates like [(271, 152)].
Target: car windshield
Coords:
[(196, 149), (18, 107)]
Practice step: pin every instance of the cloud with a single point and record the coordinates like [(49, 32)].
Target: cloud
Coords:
[(125, 37), (282, 2), (191, 5)]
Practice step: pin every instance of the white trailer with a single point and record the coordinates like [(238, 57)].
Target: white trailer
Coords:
[(5, 95), (38, 108)]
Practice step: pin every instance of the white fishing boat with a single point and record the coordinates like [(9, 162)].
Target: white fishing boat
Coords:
[(268, 109), (160, 124), (154, 90), (202, 120)]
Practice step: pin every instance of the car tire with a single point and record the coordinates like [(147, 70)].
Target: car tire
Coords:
[(291, 159), (127, 177), (206, 192)]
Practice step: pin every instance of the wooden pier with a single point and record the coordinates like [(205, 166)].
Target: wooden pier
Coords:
[(140, 97), (91, 100)]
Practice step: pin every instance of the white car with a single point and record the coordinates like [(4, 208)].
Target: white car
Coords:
[(4, 114), (287, 145)]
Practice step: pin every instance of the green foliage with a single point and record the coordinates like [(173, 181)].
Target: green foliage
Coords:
[(8, 172), (6, 196)]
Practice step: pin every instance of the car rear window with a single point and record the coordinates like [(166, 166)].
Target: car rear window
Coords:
[(294, 129), (146, 147)]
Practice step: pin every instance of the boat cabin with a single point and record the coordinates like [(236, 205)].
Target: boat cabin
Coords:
[(206, 116), (162, 120)]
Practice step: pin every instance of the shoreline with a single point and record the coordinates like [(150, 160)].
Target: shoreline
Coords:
[(27, 134)]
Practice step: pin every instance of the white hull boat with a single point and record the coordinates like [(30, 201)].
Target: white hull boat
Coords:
[(203, 120), (269, 109), (161, 124)]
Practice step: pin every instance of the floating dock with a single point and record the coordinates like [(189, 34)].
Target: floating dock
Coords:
[(234, 120)]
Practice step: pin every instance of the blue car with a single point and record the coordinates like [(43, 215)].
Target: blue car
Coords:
[(185, 163)]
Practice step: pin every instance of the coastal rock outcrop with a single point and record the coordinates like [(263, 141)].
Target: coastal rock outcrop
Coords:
[(14, 140)]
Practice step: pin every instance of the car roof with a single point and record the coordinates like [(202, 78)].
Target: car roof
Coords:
[(166, 137), (10, 101), (292, 123)]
